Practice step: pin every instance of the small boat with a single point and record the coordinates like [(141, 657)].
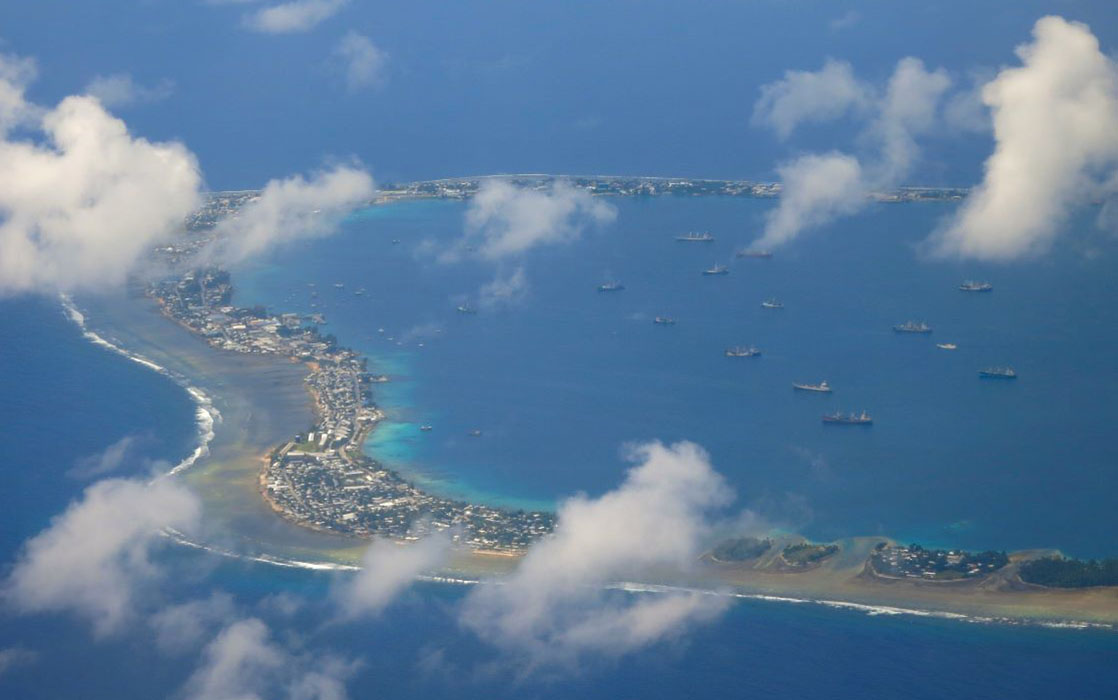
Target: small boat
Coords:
[(912, 327), (947, 346), (862, 418), (754, 254), (695, 238), (610, 287), (339, 285), (664, 321), (972, 286), (822, 387), (998, 373), (395, 241), (425, 428), (772, 304), (717, 270), (743, 352), (465, 309), (359, 292), (475, 433)]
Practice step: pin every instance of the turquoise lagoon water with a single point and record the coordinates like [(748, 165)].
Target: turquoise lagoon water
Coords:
[(562, 380)]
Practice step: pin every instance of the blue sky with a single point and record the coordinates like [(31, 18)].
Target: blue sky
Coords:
[(620, 87)]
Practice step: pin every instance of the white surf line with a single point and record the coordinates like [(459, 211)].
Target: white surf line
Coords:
[(206, 414)]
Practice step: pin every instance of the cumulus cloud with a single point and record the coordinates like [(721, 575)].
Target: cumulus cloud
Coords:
[(14, 657), (108, 460), (504, 289), (907, 111), (81, 199), (504, 220), (387, 569), (181, 627), (94, 557), (293, 208), (16, 73), (246, 663), (1055, 122), (292, 17), (817, 188), (552, 610), (121, 90), (362, 62), (810, 96), (814, 190)]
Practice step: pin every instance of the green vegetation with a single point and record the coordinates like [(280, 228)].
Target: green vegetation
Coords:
[(741, 548), (1058, 572), (807, 553)]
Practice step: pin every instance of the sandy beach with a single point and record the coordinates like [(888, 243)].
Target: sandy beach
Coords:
[(263, 401)]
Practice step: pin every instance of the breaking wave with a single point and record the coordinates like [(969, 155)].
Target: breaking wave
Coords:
[(206, 415)]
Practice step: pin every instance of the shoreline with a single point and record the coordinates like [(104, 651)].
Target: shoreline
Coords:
[(839, 581)]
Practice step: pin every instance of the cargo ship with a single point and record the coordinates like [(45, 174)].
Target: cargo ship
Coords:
[(947, 346), (998, 373), (772, 304), (743, 352), (822, 387), (717, 270), (912, 327), (862, 418), (695, 238), (972, 286)]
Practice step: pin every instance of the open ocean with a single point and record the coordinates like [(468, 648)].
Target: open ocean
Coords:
[(560, 382)]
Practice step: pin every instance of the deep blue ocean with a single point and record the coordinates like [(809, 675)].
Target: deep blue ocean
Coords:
[(558, 383)]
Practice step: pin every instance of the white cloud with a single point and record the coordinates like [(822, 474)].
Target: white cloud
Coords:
[(817, 188), (810, 96), (907, 110), (293, 208), (94, 557), (14, 657), (814, 190), (504, 289), (964, 110), (121, 90), (294, 16), (503, 220), (83, 199), (387, 569), (362, 62), (1056, 132), (16, 74), (182, 626), (108, 460), (552, 610), (245, 663)]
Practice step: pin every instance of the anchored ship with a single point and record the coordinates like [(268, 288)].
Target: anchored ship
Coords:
[(610, 287), (717, 270), (998, 373), (972, 286), (822, 387), (772, 304), (754, 254), (695, 238), (947, 346), (664, 321), (743, 352), (862, 418), (912, 327)]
